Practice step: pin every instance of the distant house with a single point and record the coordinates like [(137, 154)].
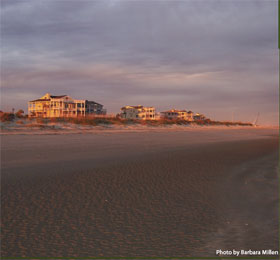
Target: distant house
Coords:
[(138, 112), (198, 116), (63, 106), (175, 114), (157, 116), (190, 116)]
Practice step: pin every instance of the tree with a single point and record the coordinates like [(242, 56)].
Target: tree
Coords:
[(7, 117), (19, 113)]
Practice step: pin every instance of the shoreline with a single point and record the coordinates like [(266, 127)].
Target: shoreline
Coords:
[(83, 129)]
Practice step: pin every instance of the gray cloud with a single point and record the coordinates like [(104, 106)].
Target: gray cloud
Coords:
[(201, 55)]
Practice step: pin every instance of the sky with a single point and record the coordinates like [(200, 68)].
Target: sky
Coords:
[(216, 57)]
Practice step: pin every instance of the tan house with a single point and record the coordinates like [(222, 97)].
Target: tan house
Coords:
[(63, 106), (138, 112), (175, 114), (198, 116)]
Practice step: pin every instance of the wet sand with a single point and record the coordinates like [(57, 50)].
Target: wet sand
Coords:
[(169, 194)]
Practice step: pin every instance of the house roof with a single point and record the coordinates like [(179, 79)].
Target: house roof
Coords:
[(58, 96), (48, 99), (173, 111), (127, 107), (199, 115), (89, 101), (136, 107), (40, 99)]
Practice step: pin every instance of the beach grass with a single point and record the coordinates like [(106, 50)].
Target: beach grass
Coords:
[(96, 121)]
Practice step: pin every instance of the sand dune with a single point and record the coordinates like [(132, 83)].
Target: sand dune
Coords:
[(170, 194)]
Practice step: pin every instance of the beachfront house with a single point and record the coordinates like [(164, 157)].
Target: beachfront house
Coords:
[(138, 112), (63, 106), (175, 114), (189, 116), (198, 116)]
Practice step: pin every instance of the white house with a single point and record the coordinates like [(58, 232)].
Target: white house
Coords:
[(63, 106), (175, 114), (138, 112)]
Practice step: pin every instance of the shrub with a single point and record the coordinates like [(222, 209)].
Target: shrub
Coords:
[(7, 117), (40, 120), (102, 121), (19, 113)]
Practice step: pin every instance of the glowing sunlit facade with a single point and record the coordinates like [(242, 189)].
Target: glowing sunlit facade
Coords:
[(174, 114), (138, 112), (63, 106), (198, 116)]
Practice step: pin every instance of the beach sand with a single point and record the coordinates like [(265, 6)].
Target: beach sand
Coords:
[(139, 194)]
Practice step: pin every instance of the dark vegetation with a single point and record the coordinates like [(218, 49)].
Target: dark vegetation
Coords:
[(8, 116), (118, 121), (94, 121)]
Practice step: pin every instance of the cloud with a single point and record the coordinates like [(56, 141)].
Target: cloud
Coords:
[(203, 53)]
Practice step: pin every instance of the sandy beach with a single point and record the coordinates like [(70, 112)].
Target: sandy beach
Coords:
[(139, 193)]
